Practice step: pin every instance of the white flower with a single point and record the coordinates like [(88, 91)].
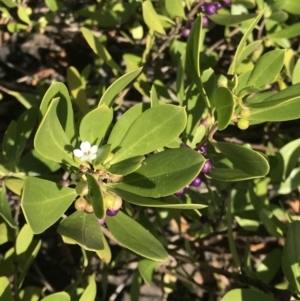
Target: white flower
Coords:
[(86, 151)]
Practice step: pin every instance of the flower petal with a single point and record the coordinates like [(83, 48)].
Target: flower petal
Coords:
[(78, 153), (85, 146), (84, 158), (92, 156), (94, 149)]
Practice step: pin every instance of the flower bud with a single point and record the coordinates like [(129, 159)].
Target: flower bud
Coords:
[(109, 201), (81, 204), (245, 113), (89, 208), (118, 203), (243, 124), (110, 212)]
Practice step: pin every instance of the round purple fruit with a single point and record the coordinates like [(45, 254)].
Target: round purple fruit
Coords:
[(209, 8), (206, 167), (196, 182), (110, 212), (185, 32)]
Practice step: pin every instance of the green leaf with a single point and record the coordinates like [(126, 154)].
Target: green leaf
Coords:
[(193, 48), (28, 100), (291, 6), (163, 173), (118, 86), (290, 261), (151, 18), (278, 107), (126, 166), (96, 197), (224, 103), (287, 33), (9, 143), (43, 203), (90, 292), (64, 108), (14, 184), (222, 19), (61, 296), (5, 210), (77, 89), (154, 97), (50, 139), (274, 60), (146, 268), (94, 125), (246, 295), (9, 3), (175, 8), (147, 202), (124, 123), (23, 240), (296, 73), (134, 237), (105, 254), (153, 129), (84, 229), (100, 50), (242, 44), (54, 5), (247, 163), (5, 291)]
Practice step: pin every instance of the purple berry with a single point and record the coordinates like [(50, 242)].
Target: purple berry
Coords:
[(210, 8), (226, 2), (203, 149), (102, 221), (191, 23), (110, 212), (218, 6), (188, 186), (180, 192), (196, 182), (185, 32), (206, 167), (205, 21)]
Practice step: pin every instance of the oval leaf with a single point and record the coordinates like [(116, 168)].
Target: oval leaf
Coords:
[(133, 236), (61, 296), (163, 173), (43, 203), (153, 129), (224, 103), (151, 17), (84, 229), (95, 124), (246, 295), (127, 166)]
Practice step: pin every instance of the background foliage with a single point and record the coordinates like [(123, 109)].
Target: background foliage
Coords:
[(165, 89)]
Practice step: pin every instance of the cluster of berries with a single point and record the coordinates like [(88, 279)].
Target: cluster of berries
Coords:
[(112, 202), (197, 181), (208, 9)]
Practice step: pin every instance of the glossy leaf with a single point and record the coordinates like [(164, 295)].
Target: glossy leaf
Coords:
[(5, 210), (242, 44), (291, 6), (84, 229), (224, 103), (102, 154), (124, 123), (278, 107), (274, 60), (247, 164), (163, 173), (50, 139), (96, 196), (290, 260), (118, 86), (126, 166), (148, 202), (9, 143), (77, 89), (43, 203), (222, 19), (245, 294), (14, 184), (64, 107), (61, 296), (133, 236), (151, 130), (105, 253), (151, 17), (296, 73), (94, 125)]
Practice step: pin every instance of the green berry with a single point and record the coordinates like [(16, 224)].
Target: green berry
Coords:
[(245, 113), (243, 124), (81, 204)]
